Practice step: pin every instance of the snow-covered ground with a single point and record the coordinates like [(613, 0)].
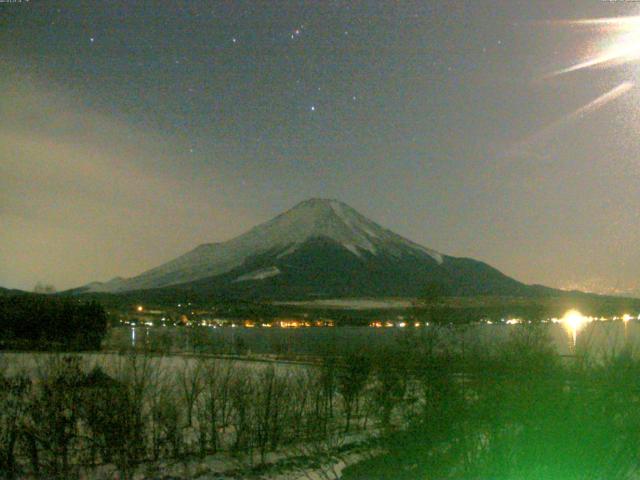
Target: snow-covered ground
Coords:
[(321, 458), (32, 363), (352, 303)]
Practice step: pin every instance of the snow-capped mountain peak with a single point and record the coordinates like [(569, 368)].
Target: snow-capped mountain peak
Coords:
[(318, 217), (311, 219)]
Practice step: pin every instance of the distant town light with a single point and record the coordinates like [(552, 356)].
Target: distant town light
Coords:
[(573, 322)]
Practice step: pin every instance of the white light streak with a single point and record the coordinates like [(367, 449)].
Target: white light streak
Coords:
[(621, 39), (543, 135)]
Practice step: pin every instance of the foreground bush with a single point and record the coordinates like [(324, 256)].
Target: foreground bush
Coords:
[(518, 411)]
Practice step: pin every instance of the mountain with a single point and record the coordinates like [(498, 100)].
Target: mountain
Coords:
[(12, 292), (98, 287), (318, 249)]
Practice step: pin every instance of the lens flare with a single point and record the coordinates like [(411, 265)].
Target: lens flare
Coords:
[(545, 134), (617, 43), (625, 50), (610, 23)]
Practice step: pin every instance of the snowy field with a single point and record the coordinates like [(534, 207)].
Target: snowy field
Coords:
[(35, 363), (201, 417)]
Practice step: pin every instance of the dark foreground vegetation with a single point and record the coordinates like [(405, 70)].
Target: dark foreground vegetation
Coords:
[(32, 321), (518, 411), (70, 419), (429, 407)]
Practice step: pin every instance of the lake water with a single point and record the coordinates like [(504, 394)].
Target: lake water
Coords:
[(596, 337)]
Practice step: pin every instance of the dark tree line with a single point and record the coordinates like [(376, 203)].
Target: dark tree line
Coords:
[(38, 321)]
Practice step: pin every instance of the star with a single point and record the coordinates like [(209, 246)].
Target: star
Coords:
[(91, 39)]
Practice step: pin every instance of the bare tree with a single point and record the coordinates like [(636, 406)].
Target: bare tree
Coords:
[(141, 375), (13, 402), (189, 379), (390, 383), (351, 380), (52, 426), (108, 418), (214, 405), (166, 423), (241, 392)]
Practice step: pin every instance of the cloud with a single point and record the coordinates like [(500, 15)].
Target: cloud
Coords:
[(86, 196)]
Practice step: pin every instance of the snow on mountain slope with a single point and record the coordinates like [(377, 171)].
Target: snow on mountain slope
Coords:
[(259, 274), (312, 218)]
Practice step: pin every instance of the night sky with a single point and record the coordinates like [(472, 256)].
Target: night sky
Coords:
[(507, 131)]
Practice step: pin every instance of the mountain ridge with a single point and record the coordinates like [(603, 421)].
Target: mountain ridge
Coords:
[(318, 248)]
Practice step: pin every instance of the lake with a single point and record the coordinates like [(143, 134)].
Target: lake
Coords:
[(596, 337)]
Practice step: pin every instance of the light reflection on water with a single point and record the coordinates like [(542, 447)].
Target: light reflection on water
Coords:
[(136, 333), (570, 335), (593, 337), (573, 322)]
